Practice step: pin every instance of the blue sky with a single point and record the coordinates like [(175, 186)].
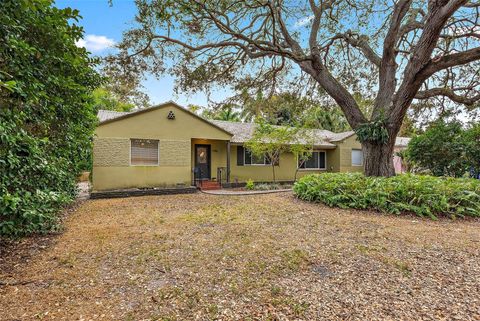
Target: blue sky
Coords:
[(104, 24)]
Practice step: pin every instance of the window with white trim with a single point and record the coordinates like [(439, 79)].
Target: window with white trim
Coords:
[(357, 157), (317, 160), (252, 159), (143, 152)]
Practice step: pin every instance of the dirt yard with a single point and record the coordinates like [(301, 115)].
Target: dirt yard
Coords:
[(262, 257)]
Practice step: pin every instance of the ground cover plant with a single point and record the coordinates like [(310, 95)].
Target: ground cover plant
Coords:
[(423, 195)]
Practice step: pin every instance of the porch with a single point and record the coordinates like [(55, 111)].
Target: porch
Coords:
[(210, 163)]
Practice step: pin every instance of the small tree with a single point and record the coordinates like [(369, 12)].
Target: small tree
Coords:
[(270, 142), (302, 149)]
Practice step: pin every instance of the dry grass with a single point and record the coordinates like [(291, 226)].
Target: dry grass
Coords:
[(263, 257)]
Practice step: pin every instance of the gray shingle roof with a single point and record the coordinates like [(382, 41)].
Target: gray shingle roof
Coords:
[(242, 132), (109, 114)]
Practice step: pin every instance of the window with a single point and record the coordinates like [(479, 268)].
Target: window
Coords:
[(144, 152), (317, 160), (357, 157), (251, 159)]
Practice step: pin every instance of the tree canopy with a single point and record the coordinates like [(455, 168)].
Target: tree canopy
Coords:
[(446, 149), (46, 113), (391, 52)]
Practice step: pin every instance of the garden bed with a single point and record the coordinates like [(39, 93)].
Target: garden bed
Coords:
[(423, 195)]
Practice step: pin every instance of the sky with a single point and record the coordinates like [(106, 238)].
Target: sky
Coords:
[(103, 25)]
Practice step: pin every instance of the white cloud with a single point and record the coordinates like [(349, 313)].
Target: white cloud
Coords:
[(304, 21), (95, 43)]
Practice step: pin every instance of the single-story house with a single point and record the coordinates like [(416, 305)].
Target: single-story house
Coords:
[(167, 145)]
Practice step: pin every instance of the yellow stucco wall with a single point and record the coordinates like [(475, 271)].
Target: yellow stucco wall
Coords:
[(177, 138), (344, 150), (111, 153), (260, 173)]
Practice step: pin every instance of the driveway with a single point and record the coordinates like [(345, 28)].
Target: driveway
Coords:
[(261, 257)]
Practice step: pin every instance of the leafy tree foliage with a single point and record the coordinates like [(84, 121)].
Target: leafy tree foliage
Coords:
[(227, 112), (446, 149), (472, 148), (270, 141), (46, 113), (104, 99), (394, 53)]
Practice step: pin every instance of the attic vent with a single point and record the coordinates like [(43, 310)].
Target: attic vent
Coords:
[(171, 115)]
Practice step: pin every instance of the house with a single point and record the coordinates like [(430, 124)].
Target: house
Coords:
[(167, 145)]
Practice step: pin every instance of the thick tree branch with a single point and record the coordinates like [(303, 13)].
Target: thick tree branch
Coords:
[(388, 67), (450, 93), (414, 75), (360, 42), (452, 60)]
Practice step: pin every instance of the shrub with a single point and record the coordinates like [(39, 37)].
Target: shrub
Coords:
[(423, 195), (46, 114), (267, 187), (250, 185)]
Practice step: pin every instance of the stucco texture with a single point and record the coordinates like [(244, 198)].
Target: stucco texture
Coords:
[(111, 153), (177, 139), (285, 171)]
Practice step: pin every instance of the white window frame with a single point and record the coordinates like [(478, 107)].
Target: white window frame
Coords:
[(258, 164), (351, 156), (144, 165), (316, 168)]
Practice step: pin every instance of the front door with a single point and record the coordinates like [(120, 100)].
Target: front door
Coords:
[(202, 162)]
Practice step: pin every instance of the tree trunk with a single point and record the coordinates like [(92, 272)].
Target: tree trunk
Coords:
[(378, 159), (273, 171)]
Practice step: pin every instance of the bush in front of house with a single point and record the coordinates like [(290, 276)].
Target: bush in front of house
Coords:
[(46, 113), (426, 196)]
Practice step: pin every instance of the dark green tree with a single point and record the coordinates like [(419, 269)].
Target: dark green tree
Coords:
[(46, 113), (440, 150), (472, 147)]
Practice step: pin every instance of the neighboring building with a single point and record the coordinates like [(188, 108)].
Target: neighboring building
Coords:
[(168, 145)]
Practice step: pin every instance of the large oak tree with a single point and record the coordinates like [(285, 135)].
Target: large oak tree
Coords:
[(393, 52)]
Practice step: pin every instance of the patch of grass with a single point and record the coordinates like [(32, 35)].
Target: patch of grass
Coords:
[(299, 308), (69, 260), (275, 290), (212, 310), (293, 259), (376, 252)]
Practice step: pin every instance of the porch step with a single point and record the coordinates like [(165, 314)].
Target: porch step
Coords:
[(209, 185)]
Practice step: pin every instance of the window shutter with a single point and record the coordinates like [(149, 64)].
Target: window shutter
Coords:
[(240, 159)]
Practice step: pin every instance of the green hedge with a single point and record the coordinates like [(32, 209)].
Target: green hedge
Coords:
[(423, 195)]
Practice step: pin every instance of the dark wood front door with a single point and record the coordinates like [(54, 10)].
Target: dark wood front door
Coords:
[(202, 162)]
